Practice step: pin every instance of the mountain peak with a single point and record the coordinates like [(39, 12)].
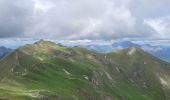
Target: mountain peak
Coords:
[(42, 42), (47, 42), (132, 47), (132, 50)]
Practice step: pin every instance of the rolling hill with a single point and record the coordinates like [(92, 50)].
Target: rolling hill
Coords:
[(48, 71)]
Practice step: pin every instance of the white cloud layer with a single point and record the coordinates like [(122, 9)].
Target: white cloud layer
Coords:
[(84, 19), (161, 26)]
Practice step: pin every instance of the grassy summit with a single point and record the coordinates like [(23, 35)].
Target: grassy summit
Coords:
[(49, 71)]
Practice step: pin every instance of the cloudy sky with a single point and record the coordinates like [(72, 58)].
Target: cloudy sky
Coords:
[(85, 19)]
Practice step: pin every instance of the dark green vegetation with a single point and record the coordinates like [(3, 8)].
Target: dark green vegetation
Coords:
[(49, 71)]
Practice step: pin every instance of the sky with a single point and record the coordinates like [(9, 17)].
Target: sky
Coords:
[(85, 19)]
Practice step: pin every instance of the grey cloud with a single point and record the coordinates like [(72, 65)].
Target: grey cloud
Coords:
[(80, 19), (14, 16), (159, 25), (85, 19)]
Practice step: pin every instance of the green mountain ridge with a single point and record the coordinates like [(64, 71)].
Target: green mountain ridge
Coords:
[(48, 71)]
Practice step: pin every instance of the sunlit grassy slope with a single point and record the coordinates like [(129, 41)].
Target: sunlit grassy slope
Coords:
[(49, 71)]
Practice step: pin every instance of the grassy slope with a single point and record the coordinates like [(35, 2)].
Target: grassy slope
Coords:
[(46, 70)]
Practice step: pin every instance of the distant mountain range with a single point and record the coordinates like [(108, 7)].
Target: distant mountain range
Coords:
[(110, 47), (48, 71), (162, 52), (4, 51), (124, 44)]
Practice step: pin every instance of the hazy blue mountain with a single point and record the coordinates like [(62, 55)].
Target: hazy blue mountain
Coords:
[(100, 48), (124, 44), (4, 51), (110, 47), (164, 53)]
